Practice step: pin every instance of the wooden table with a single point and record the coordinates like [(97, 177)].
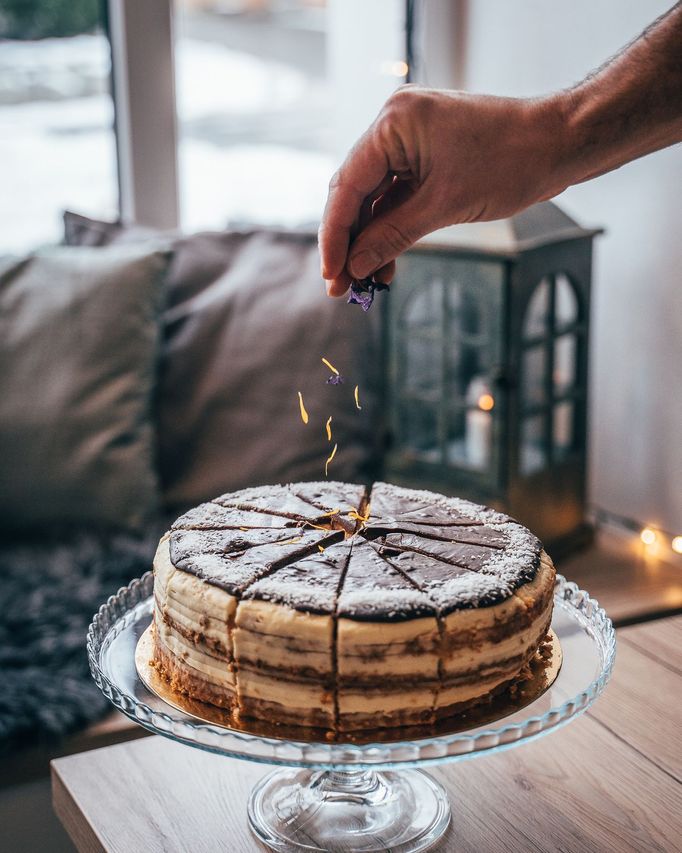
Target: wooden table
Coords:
[(609, 781)]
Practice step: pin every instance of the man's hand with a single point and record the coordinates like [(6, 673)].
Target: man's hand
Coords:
[(434, 158)]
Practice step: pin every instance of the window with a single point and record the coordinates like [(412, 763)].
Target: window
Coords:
[(57, 146), (253, 111)]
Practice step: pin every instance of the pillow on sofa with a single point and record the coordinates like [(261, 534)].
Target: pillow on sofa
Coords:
[(246, 325), (79, 331)]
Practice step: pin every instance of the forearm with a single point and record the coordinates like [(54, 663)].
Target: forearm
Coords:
[(630, 107)]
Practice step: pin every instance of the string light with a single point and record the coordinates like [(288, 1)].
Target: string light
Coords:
[(394, 68), (648, 536), (486, 402)]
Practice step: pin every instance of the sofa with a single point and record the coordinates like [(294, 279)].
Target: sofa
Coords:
[(142, 373)]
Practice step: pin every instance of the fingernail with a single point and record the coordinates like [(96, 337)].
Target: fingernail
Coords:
[(365, 262), (328, 286)]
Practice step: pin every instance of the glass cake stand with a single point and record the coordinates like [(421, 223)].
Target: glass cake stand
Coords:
[(359, 794)]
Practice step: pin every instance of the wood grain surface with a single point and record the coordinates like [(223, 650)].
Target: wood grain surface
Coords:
[(609, 781)]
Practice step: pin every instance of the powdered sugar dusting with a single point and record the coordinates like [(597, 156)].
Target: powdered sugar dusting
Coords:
[(476, 563), (385, 604)]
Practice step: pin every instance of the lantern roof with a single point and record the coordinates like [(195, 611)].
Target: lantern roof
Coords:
[(540, 225)]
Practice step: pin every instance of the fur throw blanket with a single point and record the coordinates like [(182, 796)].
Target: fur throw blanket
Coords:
[(48, 595)]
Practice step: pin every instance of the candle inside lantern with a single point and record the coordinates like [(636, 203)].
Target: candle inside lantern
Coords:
[(479, 423)]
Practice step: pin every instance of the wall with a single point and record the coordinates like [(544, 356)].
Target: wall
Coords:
[(528, 47)]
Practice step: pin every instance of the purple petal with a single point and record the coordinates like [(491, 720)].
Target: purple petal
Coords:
[(336, 379), (362, 292)]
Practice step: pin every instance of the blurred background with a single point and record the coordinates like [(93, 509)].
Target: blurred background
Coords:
[(270, 95)]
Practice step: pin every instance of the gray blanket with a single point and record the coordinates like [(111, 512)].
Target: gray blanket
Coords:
[(48, 595)]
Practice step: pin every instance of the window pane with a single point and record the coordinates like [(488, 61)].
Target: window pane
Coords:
[(562, 429), (566, 305), (533, 455), (537, 314), (423, 308), (565, 364), (254, 112), (422, 361), (57, 146), (470, 431), (533, 369), (419, 430)]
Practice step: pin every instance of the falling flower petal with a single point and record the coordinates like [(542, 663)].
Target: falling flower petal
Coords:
[(357, 401), (329, 428), (330, 366), (304, 414), (320, 549), (331, 456), (336, 380)]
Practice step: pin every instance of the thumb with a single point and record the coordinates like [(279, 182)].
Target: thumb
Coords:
[(387, 236)]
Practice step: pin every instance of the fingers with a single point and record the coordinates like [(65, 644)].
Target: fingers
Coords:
[(401, 221), (386, 274), (361, 173)]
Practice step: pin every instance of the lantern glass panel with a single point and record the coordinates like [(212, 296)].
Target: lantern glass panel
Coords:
[(533, 451), (562, 429), (471, 429), (419, 432), (446, 349), (423, 310), (566, 302), (536, 322), (534, 366), (422, 351), (565, 363)]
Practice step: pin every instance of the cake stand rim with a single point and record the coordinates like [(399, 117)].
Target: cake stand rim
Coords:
[(116, 614)]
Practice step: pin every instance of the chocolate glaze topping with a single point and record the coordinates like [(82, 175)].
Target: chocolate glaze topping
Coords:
[(392, 555)]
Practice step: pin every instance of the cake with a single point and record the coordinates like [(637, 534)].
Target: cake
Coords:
[(327, 605)]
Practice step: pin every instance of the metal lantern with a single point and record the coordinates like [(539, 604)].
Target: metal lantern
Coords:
[(487, 368)]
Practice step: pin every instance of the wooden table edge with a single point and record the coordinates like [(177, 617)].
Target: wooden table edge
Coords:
[(70, 815)]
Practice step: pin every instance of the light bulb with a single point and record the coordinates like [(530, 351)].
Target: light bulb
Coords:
[(486, 402), (676, 544)]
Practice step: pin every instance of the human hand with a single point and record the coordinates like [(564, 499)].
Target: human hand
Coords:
[(434, 158)]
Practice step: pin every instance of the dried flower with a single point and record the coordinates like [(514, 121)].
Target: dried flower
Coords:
[(291, 541), (362, 292), (355, 515), (331, 456), (304, 414)]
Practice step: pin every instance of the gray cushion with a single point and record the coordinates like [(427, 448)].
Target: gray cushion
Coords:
[(79, 336), (237, 351), (246, 324)]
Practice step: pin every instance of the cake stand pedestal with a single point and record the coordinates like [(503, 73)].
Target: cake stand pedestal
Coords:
[(355, 795)]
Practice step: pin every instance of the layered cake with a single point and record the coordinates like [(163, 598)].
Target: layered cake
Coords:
[(323, 604)]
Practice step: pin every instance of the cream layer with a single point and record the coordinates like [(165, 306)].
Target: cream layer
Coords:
[(194, 605), (393, 649), (277, 638), (466, 659), (205, 666), (284, 690), (386, 701)]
